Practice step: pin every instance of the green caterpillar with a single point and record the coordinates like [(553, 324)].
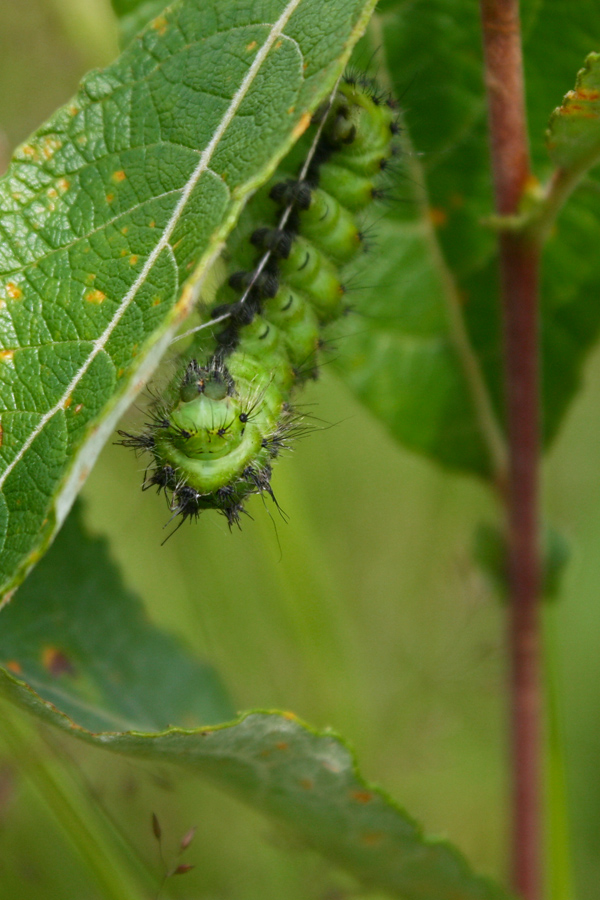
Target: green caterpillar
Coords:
[(217, 430)]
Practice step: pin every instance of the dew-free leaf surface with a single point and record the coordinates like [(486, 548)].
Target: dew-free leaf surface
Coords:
[(402, 356), (114, 204), (82, 640), (308, 782), (573, 135)]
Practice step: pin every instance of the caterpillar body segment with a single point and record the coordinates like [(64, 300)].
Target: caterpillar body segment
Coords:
[(214, 435)]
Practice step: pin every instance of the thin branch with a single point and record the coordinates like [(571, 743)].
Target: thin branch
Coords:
[(519, 270)]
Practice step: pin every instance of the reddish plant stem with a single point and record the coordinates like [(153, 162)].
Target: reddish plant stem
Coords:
[(519, 269)]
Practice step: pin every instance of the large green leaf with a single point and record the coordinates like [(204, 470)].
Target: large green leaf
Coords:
[(82, 640), (427, 355), (116, 206), (133, 15), (308, 781)]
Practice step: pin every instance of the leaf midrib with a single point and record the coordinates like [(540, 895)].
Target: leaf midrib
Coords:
[(163, 242)]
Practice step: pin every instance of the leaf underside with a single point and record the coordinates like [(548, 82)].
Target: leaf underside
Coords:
[(84, 647), (307, 781)]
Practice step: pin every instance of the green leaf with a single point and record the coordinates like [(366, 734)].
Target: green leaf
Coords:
[(573, 135), (307, 781), (133, 15), (86, 645), (425, 355), (111, 214)]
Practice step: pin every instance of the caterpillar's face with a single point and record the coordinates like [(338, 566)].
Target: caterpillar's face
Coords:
[(213, 443)]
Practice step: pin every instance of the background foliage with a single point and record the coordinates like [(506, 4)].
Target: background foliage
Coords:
[(402, 656)]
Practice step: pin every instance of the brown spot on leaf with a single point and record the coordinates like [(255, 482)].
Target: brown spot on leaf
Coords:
[(133, 259), (251, 46), (119, 175), (282, 745), (307, 783), (151, 224), (56, 662), (13, 666), (361, 796), (110, 198), (371, 838), (437, 216), (67, 402)]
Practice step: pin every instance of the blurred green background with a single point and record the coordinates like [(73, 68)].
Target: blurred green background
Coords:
[(364, 613)]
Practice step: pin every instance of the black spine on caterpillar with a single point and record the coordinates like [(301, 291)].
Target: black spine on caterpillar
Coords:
[(215, 434)]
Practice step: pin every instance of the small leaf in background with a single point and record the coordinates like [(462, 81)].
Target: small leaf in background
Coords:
[(117, 205), (573, 135), (78, 636), (490, 552)]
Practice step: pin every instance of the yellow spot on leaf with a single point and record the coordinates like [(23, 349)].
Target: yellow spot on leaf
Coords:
[(156, 300), (73, 110), (119, 175), (124, 229), (28, 150), (14, 291), (50, 145), (110, 198), (6, 355), (152, 224), (251, 46), (291, 110), (159, 24), (133, 259), (307, 783), (13, 666), (95, 297), (302, 125), (292, 717), (52, 193), (63, 185)]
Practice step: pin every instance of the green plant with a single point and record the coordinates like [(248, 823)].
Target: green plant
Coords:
[(113, 216)]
